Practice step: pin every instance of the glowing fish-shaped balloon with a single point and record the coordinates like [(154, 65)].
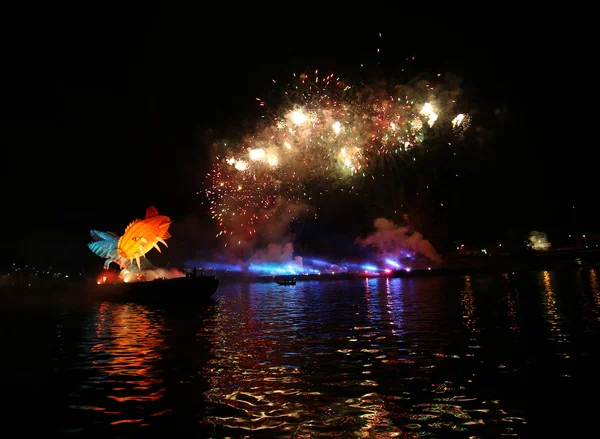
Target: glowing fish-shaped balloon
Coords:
[(141, 236)]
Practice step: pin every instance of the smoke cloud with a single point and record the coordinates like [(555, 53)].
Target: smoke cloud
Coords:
[(391, 240), (272, 241), (277, 253), (151, 274)]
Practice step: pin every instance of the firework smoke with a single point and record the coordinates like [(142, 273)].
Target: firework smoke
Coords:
[(393, 241), (282, 253), (151, 274)]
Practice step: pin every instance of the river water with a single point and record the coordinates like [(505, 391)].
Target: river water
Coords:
[(486, 356)]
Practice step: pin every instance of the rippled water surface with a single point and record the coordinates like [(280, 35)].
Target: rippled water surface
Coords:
[(441, 357)]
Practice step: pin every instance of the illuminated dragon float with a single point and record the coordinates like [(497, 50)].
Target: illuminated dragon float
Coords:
[(140, 236)]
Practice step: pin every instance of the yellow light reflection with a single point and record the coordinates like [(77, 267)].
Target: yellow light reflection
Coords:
[(468, 305), (126, 351), (512, 298), (553, 317), (595, 287)]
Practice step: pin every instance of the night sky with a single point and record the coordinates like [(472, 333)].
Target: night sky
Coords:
[(105, 114)]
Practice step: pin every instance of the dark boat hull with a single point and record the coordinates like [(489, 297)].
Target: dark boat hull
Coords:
[(177, 290)]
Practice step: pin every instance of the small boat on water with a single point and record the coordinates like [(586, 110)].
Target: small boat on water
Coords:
[(174, 290), (287, 282)]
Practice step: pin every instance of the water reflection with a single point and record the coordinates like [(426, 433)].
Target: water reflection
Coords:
[(244, 374), (267, 367), (368, 359), (555, 321), (589, 289), (394, 306), (121, 346), (383, 358), (553, 316), (512, 300), (468, 302), (595, 287)]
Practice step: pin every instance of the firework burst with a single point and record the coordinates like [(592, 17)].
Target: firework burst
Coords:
[(326, 133)]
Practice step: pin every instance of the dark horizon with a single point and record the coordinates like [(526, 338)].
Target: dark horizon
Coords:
[(100, 125)]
